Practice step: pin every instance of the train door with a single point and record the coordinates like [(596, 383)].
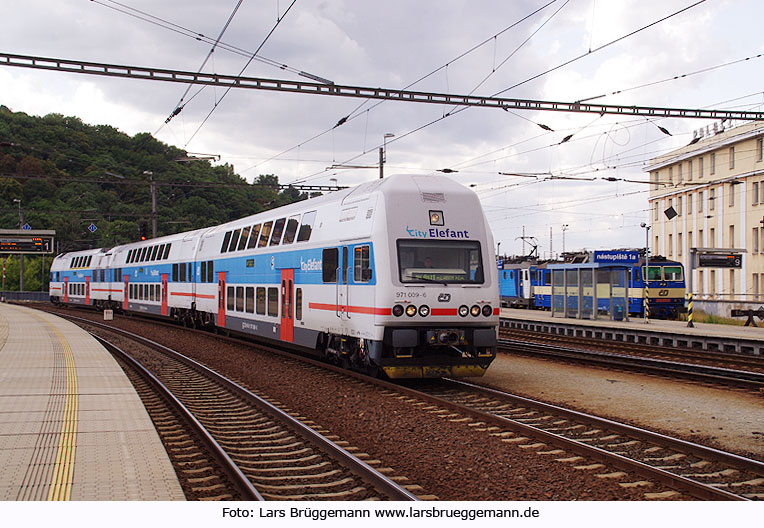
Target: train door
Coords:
[(343, 272), (221, 299), (164, 293), (287, 305), (87, 290), (525, 283), (126, 298)]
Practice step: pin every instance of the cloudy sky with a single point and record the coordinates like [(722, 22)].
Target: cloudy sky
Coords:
[(484, 47)]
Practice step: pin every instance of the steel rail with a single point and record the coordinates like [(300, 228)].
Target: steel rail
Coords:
[(752, 380), (238, 479), (379, 481)]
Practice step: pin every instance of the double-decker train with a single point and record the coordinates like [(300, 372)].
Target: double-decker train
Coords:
[(529, 285), (392, 277)]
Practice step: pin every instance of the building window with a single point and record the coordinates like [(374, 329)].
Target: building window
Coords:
[(699, 287), (689, 240), (679, 244), (732, 236), (732, 195), (732, 281), (732, 158), (700, 201), (689, 170), (655, 210), (654, 178), (671, 245), (679, 205), (712, 282), (755, 193), (713, 163), (755, 240), (689, 203), (679, 166), (761, 196), (700, 168), (711, 199), (712, 237), (671, 175), (760, 149), (755, 282), (656, 247)]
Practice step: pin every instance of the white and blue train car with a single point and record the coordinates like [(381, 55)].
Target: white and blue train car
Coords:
[(395, 275)]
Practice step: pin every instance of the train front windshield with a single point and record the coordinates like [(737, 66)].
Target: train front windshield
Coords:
[(441, 261)]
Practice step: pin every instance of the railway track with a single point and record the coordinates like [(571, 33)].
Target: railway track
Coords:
[(261, 446), (700, 471), (625, 358), (670, 468)]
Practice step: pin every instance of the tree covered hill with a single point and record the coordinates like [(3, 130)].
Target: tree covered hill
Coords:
[(69, 175)]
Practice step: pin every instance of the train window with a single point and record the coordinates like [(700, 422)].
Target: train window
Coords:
[(261, 301), (143, 254), (154, 252), (273, 301), (331, 261), (511, 275), (166, 251), (306, 227), (204, 271), (182, 269), (253, 236), (440, 261), (673, 273), (174, 273), (231, 298), (278, 230), (345, 265), (654, 273), (265, 233), (226, 240), (291, 229), (243, 239), (240, 298), (298, 304), (234, 240), (127, 258), (361, 264), (89, 260), (250, 299), (210, 271)]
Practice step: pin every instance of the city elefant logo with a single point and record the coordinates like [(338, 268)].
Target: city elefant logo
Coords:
[(434, 232)]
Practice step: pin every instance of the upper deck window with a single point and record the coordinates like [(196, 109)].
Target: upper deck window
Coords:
[(440, 261)]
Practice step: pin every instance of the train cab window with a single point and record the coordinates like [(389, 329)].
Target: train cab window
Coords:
[(273, 302), (265, 233), (278, 230), (255, 232), (231, 296), (331, 261), (672, 273), (654, 273), (261, 301), (210, 271), (511, 275), (361, 264), (243, 239), (250, 300), (306, 227), (440, 261), (291, 229), (226, 241), (298, 304), (166, 252), (234, 240)]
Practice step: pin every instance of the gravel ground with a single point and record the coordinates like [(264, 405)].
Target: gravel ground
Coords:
[(448, 459), (729, 419)]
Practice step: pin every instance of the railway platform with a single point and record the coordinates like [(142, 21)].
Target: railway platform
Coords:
[(72, 426), (703, 336)]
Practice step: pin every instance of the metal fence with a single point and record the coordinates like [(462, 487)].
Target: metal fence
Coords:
[(25, 296)]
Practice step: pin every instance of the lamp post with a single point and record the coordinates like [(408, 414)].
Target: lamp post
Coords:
[(153, 203), (564, 228), (21, 257), (382, 154), (647, 271)]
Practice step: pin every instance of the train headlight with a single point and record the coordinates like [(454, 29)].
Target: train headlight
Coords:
[(424, 310), (397, 310), (487, 310), (475, 310), (411, 310), (464, 311)]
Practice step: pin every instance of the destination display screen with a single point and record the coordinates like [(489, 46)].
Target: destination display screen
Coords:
[(32, 244)]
